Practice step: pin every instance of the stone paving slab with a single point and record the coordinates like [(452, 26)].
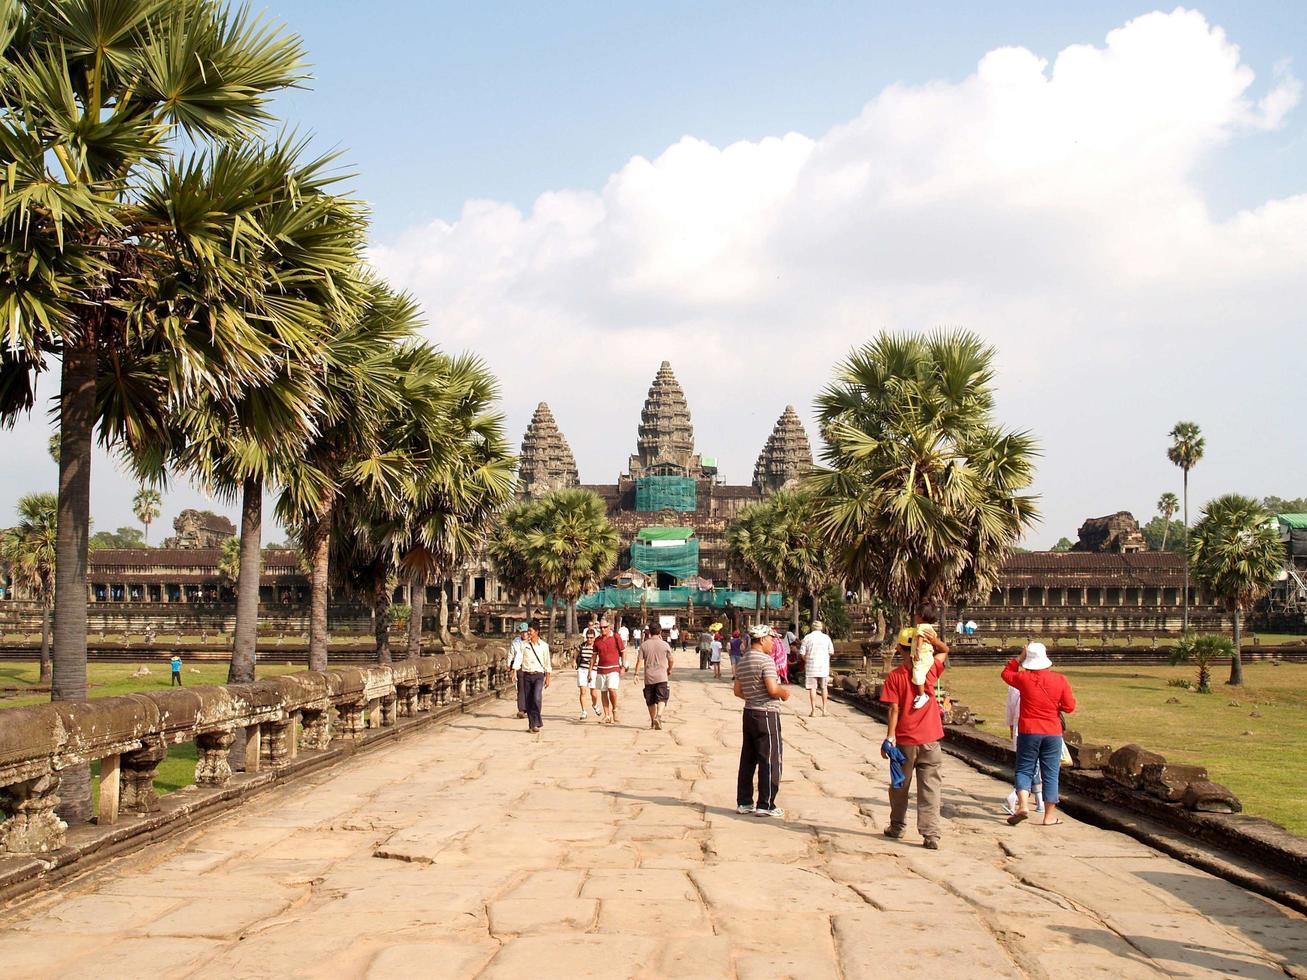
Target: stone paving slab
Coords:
[(479, 850)]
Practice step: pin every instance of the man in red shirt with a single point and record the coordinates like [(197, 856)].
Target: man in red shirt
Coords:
[(608, 670), (917, 733)]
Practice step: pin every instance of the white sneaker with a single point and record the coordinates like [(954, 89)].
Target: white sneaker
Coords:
[(745, 809), (598, 713), (920, 701), (582, 716), (775, 811)]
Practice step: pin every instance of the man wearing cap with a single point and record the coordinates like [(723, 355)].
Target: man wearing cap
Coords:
[(535, 671), (917, 734), (758, 684), (608, 670), (515, 666), (816, 651)]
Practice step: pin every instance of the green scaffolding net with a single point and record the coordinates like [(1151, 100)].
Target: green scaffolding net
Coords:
[(677, 558), (655, 493), (678, 598)]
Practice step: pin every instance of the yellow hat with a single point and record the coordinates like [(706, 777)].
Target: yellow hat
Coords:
[(907, 635)]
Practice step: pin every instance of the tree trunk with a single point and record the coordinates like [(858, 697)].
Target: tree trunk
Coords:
[(1166, 530), (381, 602), (571, 618), (549, 608), (795, 613), (1236, 660), (465, 616), (443, 619), (417, 609), (68, 673), (241, 670), (45, 642), (1186, 551), (816, 608), (318, 542)]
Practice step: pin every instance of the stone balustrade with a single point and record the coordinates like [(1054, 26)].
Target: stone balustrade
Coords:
[(278, 718)]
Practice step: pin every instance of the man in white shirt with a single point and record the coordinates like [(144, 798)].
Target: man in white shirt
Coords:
[(816, 652), (627, 653), (535, 670), (515, 667)]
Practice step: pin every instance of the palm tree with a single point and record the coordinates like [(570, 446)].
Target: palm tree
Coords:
[(1237, 556), (508, 552), (1186, 450), (360, 384), (115, 259), (571, 544), (235, 443), (754, 545), (1202, 650), (146, 505), (29, 552), (229, 564), (922, 493), (1167, 504)]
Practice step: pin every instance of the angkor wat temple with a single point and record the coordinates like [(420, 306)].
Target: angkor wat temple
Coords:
[(672, 508)]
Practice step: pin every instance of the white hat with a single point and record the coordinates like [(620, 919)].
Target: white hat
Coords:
[(817, 624), (1036, 657), (760, 631)]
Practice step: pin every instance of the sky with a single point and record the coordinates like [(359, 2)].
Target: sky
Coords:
[(1114, 197)]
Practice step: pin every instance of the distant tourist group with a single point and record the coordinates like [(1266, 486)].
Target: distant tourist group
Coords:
[(763, 662)]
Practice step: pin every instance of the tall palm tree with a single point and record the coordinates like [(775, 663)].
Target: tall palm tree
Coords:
[(922, 492), (29, 552), (1186, 450), (1237, 556), (1167, 504), (360, 384), (147, 505), (235, 443), (128, 278), (571, 544)]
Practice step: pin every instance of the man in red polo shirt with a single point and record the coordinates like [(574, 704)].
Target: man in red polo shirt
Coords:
[(917, 732)]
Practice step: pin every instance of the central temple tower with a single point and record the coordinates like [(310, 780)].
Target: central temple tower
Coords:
[(665, 446)]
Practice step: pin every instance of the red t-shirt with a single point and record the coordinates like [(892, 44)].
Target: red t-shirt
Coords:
[(608, 654), (1043, 695), (924, 724)]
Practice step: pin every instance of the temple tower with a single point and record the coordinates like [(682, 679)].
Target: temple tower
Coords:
[(785, 456), (546, 462), (665, 446)]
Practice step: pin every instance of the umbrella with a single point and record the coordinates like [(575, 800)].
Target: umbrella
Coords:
[(714, 627)]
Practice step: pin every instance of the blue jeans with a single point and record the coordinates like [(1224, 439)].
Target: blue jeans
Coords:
[(1044, 751)]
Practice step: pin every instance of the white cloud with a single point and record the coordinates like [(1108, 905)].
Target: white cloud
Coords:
[(1052, 206)]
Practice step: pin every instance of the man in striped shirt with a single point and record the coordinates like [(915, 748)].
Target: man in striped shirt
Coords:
[(757, 683)]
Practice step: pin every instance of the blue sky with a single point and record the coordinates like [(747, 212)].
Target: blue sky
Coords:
[(1126, 221), (437, 103)]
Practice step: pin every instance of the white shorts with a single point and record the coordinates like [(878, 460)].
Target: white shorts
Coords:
[(810, 683), (584, 677), (608, 682)]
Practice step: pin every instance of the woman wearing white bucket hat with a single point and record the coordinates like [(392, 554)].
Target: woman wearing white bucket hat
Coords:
[(1045, 694)]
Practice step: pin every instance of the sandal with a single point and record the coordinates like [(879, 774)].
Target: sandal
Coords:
[(1018, 817), (1053, 823)]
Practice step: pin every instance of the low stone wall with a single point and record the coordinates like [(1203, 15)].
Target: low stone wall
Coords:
[(286, 722), (1132, 779)]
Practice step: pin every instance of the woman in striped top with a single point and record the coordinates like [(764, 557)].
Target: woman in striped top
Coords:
[(585, 675)]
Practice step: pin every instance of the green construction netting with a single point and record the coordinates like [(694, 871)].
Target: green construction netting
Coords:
[(679, 559), (655, 493), (665, 533), (613, 598)]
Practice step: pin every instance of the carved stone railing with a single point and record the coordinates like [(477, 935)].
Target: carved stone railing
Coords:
[(279, 719)]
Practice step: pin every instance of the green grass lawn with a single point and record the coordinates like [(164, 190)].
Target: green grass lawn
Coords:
[(107, 680), (1259, 758)]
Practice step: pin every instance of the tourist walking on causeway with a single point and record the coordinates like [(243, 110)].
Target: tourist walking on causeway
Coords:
[(780, 655), (608, 670), (176, 664), (585, 674), (924, 646), (1044, 693), (758, 684), (917, 734), (515, 667), (715, 658), (656, 655), (705, 648), (816, 651), (536, 670)]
